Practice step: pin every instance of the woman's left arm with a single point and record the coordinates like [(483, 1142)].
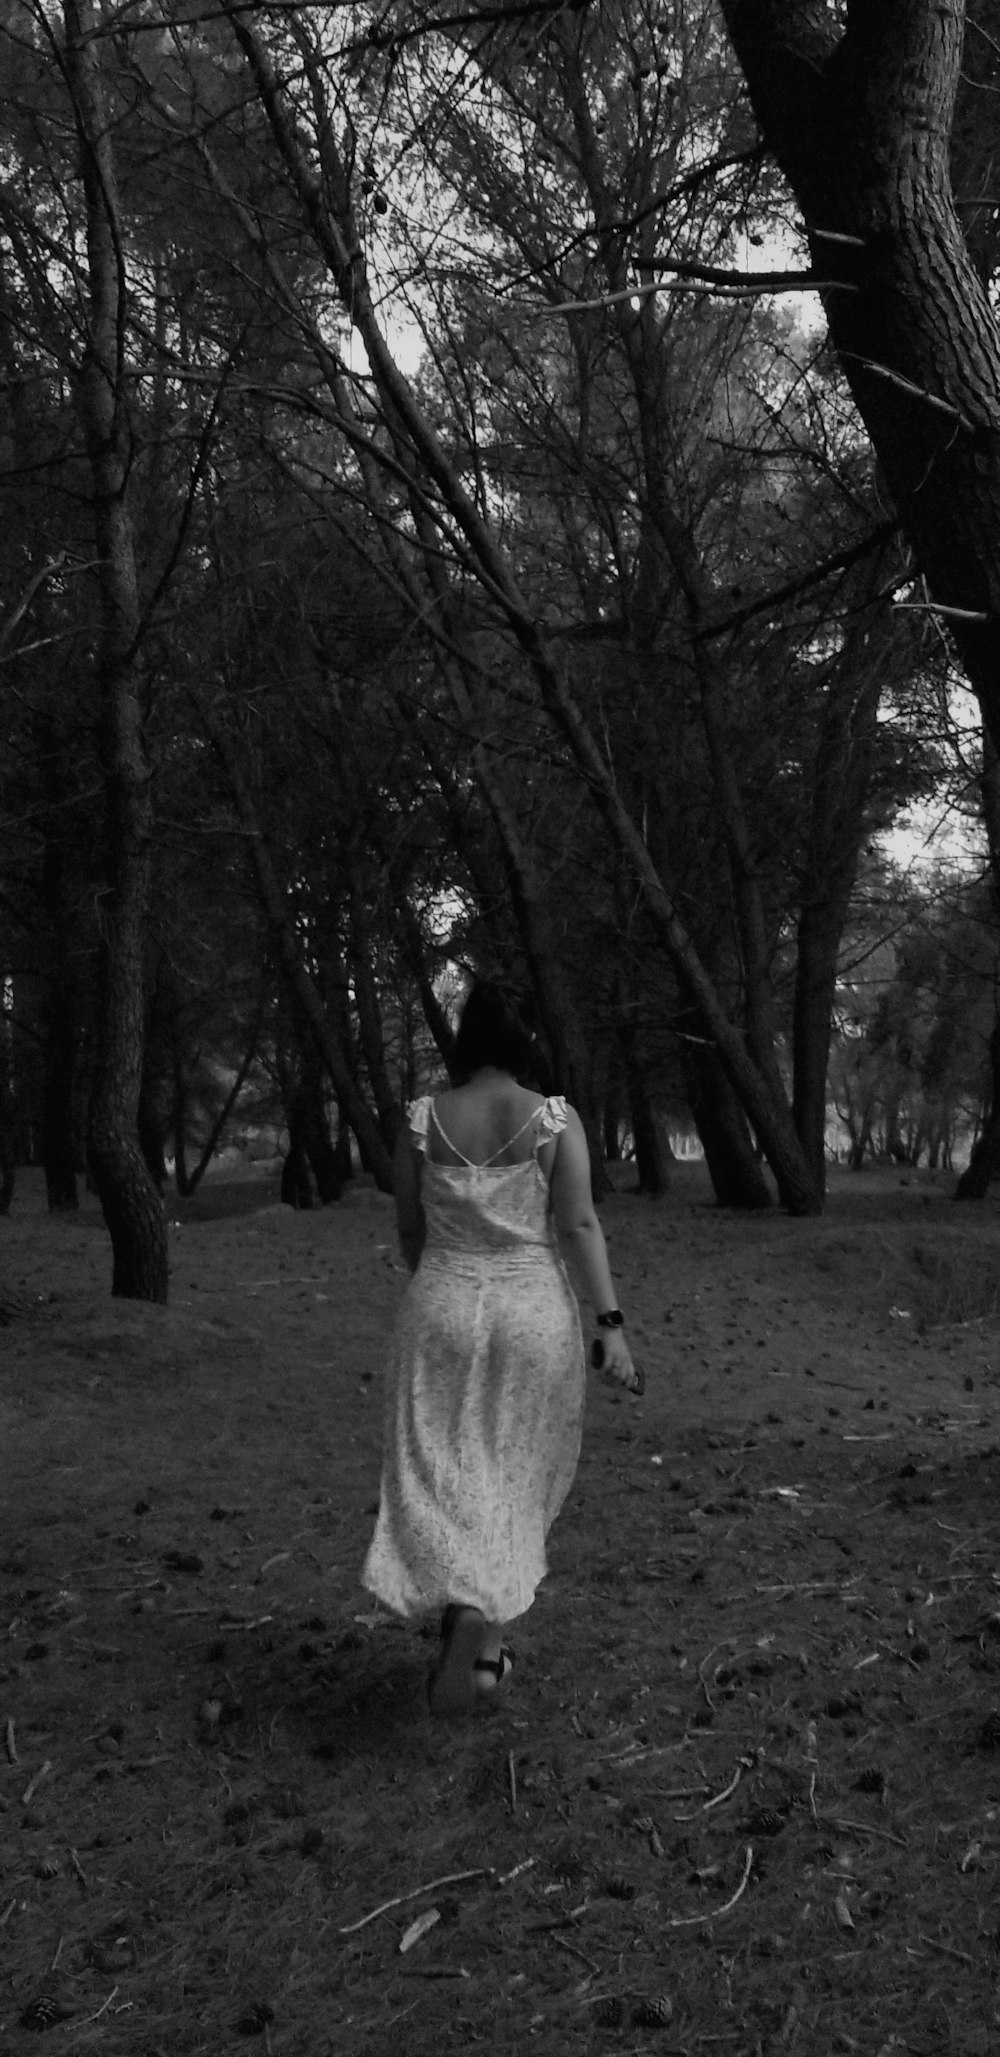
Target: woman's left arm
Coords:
[(409, 1205)]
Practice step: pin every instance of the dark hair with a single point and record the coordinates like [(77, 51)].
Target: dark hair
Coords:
[(489, 1033)]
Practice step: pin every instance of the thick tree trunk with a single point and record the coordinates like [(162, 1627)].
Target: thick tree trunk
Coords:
[(984, 1163), (7, 1147), (61, 1139), (128, 1196), (860, 120), (60, 1142), (733, 1165)]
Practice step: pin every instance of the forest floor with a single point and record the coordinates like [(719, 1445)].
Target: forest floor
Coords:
[(743, 1794)]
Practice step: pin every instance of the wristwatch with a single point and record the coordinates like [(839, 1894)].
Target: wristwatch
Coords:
[(614, 1318)]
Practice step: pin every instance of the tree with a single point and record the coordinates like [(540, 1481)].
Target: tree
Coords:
[(883, 116), (128, 1195)]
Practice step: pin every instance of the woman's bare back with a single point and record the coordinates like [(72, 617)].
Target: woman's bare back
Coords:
[(489, 1121)]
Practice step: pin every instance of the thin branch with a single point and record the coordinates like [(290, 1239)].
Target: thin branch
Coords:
[(733, 285), (841, 560), (895, 378), (938, 607), (452, 1878)]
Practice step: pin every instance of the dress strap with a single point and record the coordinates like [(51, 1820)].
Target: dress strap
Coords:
[(445, 1138), (518, 1133)]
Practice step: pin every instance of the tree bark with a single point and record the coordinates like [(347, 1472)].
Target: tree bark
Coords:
[(128, 1196), (860, 121), (7, 1149), (733, 1165), (984, 1164)]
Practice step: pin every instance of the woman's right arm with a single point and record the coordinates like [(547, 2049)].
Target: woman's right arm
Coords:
[(578, 1227), (409, 1205)]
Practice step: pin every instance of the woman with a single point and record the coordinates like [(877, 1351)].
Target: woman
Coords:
[(486, 1379)]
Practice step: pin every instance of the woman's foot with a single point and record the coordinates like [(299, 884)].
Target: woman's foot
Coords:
[(451, 1687)]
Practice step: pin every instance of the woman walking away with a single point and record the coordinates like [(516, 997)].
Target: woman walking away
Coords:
[(486, 1376)]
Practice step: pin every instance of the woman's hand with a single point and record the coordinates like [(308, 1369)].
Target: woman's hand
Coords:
[(612, 1356)]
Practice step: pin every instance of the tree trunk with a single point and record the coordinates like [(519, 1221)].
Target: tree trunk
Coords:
[(840, 787), (366, 1000), (650, 1158), (289, 956), (860, 120), (187, 1182), (7, 1148), (128, 1196), (60, 1146), (984, 1163), (733, 1165)]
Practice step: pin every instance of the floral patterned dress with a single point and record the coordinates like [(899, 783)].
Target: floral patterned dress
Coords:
[(485, 1390)]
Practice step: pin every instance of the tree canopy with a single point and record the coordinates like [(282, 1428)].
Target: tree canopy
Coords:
[(509, 488)]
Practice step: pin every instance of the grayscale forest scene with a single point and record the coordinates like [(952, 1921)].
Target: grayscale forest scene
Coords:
[(500, 491)]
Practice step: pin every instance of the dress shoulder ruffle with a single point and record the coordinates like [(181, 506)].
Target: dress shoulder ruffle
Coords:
[(552, 1118), (418, 1116)]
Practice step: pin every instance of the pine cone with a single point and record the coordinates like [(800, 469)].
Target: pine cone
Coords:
[(618, 1887), (765, 1821), (654, 2012), (871, 1777), (45, 2012)]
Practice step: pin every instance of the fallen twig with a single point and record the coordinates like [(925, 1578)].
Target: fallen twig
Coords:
[(453, 1878), (7, 1912), (10, 1744), (511, 1782), (440, 1971), (638, 1752), (525, 1865), (961, 1956), (727, 1643), (103, 2008), (29, 1791), (567, 1920), (746, 1763), (865, 1828), (692, 1920), (562, 1943)]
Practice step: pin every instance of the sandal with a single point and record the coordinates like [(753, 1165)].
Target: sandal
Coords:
[(491, 1672), (451, 1686)]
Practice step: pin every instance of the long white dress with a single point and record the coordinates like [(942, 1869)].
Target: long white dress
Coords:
[(485, 1391)]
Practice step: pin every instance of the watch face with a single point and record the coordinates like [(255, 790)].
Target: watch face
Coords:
[(615, 1319)]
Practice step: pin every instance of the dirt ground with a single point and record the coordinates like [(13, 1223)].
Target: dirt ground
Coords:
[(744, 1792)]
